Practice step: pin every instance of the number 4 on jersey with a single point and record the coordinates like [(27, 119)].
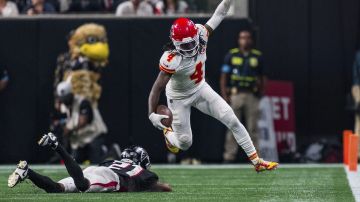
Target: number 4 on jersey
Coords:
[(197, 76)]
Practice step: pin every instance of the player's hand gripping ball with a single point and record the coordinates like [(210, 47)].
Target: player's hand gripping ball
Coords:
[(164, 110)]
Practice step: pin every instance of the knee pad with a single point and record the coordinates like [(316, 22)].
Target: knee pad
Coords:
[(185, 142)]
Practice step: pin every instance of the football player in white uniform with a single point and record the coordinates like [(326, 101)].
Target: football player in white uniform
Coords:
[(183, 75)]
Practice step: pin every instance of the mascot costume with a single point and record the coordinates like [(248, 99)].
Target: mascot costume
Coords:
[(87, 57), (81, 68)]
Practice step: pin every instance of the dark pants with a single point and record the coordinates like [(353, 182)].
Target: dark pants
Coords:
[(91, 151), (73, 169)]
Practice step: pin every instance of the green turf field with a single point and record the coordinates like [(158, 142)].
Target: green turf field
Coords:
[(214, 184)]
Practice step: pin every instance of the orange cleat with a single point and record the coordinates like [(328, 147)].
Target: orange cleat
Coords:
[(263, 165)]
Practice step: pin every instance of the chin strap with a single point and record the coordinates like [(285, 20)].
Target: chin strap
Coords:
[(220, 13)]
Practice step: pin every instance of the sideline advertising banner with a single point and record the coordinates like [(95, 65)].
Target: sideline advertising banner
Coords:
[(277, 121)]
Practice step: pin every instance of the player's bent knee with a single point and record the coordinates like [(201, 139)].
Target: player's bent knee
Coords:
[(185, 142)]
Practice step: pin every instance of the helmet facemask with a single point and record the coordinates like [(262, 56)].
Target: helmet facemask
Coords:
[(188, 47)]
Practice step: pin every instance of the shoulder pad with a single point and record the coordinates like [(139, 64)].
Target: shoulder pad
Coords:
[(234, 50), (256, 52), (169, 62)]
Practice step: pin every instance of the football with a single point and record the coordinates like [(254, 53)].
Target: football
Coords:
[(164, 110)]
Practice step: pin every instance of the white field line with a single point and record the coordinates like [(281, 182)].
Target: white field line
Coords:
[(354, 182), (205, 166), (242, 166)]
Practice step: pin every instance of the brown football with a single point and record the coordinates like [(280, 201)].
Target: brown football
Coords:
[(164, 110)]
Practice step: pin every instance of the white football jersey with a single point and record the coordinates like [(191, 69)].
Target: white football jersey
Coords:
[(188, 74)]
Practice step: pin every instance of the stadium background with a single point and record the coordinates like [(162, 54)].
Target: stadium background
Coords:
[(311, 43)]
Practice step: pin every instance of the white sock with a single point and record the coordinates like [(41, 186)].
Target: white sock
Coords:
[(243, 139), (242, 136)]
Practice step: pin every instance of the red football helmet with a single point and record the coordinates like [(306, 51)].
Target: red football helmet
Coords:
[(185, 37)]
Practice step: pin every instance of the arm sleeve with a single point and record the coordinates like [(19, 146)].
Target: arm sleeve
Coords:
[(226, 68), (86, 110), (220, 13)]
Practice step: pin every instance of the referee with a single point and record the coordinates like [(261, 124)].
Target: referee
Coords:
[(242, 83)]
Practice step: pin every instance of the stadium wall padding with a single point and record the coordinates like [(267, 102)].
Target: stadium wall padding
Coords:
[(311, 43)]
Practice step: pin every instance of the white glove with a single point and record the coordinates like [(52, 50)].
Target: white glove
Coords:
[(156, 120)]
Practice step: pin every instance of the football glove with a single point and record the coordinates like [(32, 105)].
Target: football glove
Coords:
[(156, 120)]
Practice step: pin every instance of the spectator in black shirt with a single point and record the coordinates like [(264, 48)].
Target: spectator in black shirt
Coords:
[(4, 79)]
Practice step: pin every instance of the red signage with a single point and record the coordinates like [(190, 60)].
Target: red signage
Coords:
[(281, 96)]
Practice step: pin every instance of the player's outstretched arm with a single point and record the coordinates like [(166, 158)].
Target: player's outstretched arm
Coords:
[(219, 15), (159, 85)]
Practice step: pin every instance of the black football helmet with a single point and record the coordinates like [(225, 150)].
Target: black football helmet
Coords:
[(138, 155)]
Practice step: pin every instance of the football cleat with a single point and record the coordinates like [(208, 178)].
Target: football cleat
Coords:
[(263, 165), (19, 175), (49, 140), (169, 146)]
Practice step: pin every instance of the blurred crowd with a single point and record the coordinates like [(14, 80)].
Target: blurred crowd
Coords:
[(12, 8)]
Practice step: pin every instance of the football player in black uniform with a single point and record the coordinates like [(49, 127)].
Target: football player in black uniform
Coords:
[(129, 174)]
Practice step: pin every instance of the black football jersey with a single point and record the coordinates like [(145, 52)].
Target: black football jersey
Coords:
[(133, 178)]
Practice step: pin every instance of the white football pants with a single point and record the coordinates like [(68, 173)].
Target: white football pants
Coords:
[(209, 102)]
